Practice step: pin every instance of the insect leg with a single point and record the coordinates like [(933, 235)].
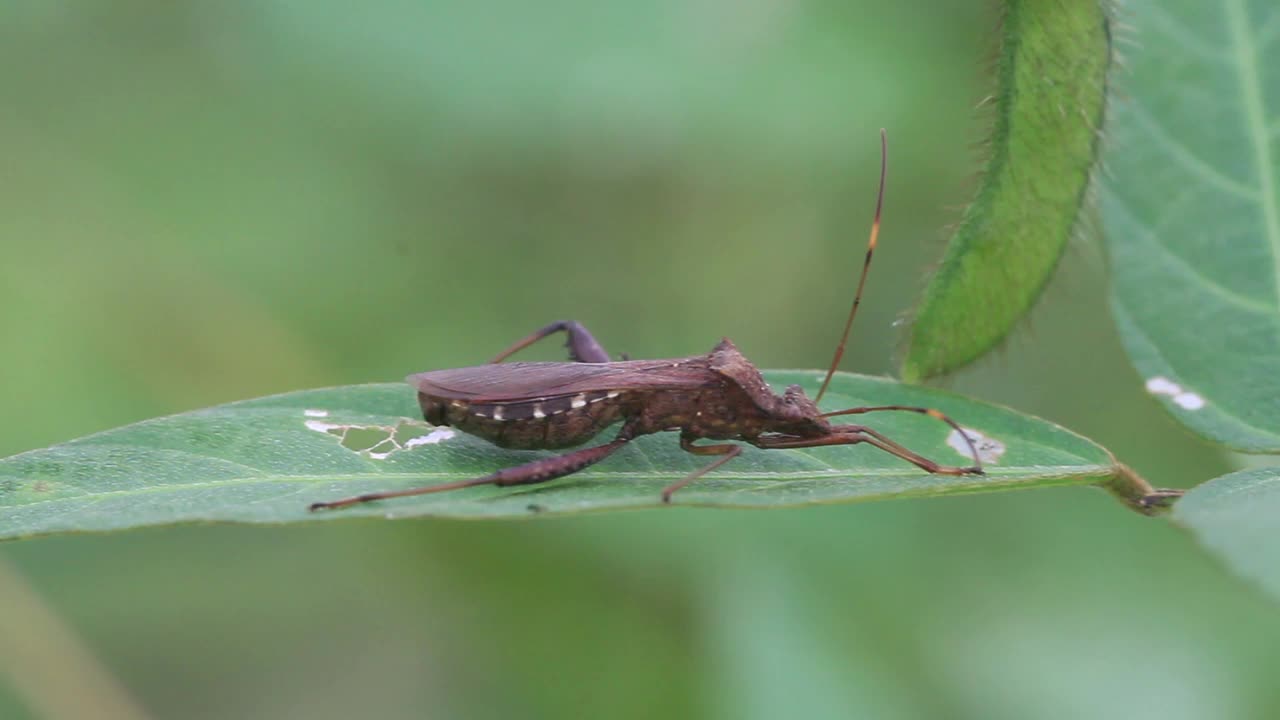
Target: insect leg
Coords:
[(884, 443), (935, 414), (582, 345), (527, 474), (853, 434), (727, 453)]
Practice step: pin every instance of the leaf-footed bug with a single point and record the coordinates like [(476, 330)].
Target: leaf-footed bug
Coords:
[(717, 396)]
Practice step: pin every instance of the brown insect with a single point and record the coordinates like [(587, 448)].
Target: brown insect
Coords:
[(717, 396)]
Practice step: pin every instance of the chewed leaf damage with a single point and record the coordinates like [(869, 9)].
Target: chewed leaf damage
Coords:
[(379, 441)]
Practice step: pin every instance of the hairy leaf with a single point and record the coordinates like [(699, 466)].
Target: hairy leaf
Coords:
[(1051, 85)]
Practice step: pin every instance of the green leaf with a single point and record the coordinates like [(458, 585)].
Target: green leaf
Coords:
[(266, 460), (1235, 517), (1192, 213), (1048, 104)]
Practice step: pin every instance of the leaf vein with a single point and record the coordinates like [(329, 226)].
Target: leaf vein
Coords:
[(1188, 159), (775, 479), (1188, 268), (1185, 38)]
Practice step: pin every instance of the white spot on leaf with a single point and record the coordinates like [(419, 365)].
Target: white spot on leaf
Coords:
[(1188, 401), (1185, 399), (323, 427), (316, 413), (439, 434), (989, 449)]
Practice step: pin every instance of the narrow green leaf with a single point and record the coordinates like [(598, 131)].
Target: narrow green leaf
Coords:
[(1192, 213), (1235, 517), (265, 460), (1048, 104)]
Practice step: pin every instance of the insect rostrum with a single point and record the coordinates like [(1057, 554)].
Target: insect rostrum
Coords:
[(717, 396)]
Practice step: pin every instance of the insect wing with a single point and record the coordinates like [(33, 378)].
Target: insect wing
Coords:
[(522, 380)]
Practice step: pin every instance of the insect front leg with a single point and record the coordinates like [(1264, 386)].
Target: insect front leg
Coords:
[(726, 452), (931, 412), (532, 472), (582, 345), (854, 434)]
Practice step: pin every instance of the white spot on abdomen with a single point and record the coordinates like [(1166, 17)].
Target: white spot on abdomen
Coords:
[(579, 401), (989, 449), (1185, 399)]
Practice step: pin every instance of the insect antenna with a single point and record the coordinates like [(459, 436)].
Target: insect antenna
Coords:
[(866, 265)]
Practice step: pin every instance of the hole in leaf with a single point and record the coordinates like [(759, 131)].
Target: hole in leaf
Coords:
[(380, 441), (358, 438)]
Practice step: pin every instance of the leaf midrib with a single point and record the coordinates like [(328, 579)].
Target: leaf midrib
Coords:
[(1027, 472), (1255, 115)]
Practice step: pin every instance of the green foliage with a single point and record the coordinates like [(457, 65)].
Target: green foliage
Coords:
[(1051, 76), (1192, 212), (1235, 517), (205, 202), (265, 460)]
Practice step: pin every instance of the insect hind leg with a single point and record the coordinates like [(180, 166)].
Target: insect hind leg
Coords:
[(538, 471), (583, 347)]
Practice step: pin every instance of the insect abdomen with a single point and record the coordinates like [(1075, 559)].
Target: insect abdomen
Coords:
[(533, 423)]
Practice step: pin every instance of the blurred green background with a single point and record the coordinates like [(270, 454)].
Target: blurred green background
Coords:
[(203, 202)]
